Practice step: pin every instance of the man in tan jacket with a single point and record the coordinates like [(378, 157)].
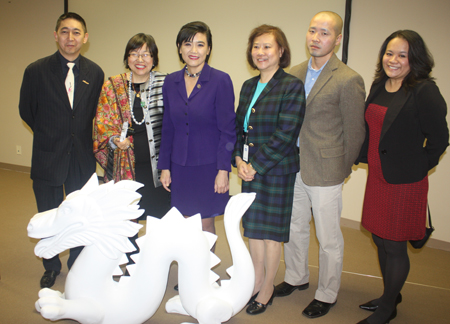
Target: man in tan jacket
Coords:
[(332, 134)]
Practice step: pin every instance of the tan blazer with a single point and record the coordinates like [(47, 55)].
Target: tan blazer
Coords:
[(333, 129)]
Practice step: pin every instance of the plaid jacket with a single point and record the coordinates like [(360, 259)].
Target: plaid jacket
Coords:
[(274, 124)]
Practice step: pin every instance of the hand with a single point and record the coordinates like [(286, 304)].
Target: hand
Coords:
[(245, 172), (251, 171), (166, 180), (221, 184), (124, 145)]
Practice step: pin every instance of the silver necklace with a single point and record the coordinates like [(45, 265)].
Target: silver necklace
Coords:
[(145, 105), (192, 75)]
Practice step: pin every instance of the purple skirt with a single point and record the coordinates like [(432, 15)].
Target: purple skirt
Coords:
[(192, 190)]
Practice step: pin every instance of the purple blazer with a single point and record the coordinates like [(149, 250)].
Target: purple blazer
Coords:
[(200, 129)]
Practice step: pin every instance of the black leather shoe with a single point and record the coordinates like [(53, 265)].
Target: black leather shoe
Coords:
[(48, 279), (317, 308), (285, 289), (256, 308), (370, 306), (252, 299)]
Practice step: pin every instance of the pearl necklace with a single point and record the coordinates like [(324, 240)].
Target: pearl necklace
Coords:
[(192, 75), (145, 105)]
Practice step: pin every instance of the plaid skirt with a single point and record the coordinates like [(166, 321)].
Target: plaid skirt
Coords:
[(269, 217)]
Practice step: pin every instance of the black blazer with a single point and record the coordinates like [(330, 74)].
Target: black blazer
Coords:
[(58, 130), (411, 118)]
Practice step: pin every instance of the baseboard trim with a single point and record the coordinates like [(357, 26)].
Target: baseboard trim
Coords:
[(15, 167), (432, 243)]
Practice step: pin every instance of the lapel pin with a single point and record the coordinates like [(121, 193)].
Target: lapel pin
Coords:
[(85, 82), (199, 86)]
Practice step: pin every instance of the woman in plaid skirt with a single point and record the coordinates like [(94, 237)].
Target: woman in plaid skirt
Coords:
[(268, 122)]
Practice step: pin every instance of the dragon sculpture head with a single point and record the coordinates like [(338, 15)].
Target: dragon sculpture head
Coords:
[(99, 215)]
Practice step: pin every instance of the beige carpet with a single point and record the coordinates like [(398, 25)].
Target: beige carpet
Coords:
[(425, 296)]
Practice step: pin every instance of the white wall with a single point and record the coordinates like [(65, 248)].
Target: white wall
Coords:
[(26, 27), (26, 33)]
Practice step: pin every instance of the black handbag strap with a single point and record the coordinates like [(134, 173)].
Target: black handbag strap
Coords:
[(429, 217)]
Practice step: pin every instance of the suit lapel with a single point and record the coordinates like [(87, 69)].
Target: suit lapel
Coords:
[(269, 86), (246, 93), (302, 72), (60, 87), (82, 83), (202, 80), (374, 90), (399, 100), (324, 77), (394, 108), (181, 85)]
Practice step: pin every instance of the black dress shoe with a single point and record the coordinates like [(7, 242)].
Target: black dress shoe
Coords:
[(48, 279), (317, 308), (252, 299), (370, 306), (285, 289), (256, 308)]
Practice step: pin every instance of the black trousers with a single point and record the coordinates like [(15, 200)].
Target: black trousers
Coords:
[(49, 197)]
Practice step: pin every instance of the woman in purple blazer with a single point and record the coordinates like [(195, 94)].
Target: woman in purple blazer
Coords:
[(198, 129)]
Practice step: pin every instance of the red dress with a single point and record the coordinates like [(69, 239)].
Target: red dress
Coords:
[(395, 212)]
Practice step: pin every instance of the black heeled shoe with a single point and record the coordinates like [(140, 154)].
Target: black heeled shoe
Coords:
[(371, 307), (252, 299), (256, 308)]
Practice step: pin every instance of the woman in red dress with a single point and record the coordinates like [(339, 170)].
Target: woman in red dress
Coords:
[(404, 110)]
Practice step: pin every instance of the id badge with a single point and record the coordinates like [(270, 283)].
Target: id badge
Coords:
[(245, 147), (245, 153)]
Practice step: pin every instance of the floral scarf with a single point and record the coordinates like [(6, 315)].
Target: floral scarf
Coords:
[(113, 110)]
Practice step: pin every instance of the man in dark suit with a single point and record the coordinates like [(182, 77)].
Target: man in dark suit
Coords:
[(58, 100), (330, 140)]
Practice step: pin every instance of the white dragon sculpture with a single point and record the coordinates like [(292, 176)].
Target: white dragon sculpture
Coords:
[(99, 217)]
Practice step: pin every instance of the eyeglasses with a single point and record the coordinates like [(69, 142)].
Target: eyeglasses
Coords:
[(135, 56)]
